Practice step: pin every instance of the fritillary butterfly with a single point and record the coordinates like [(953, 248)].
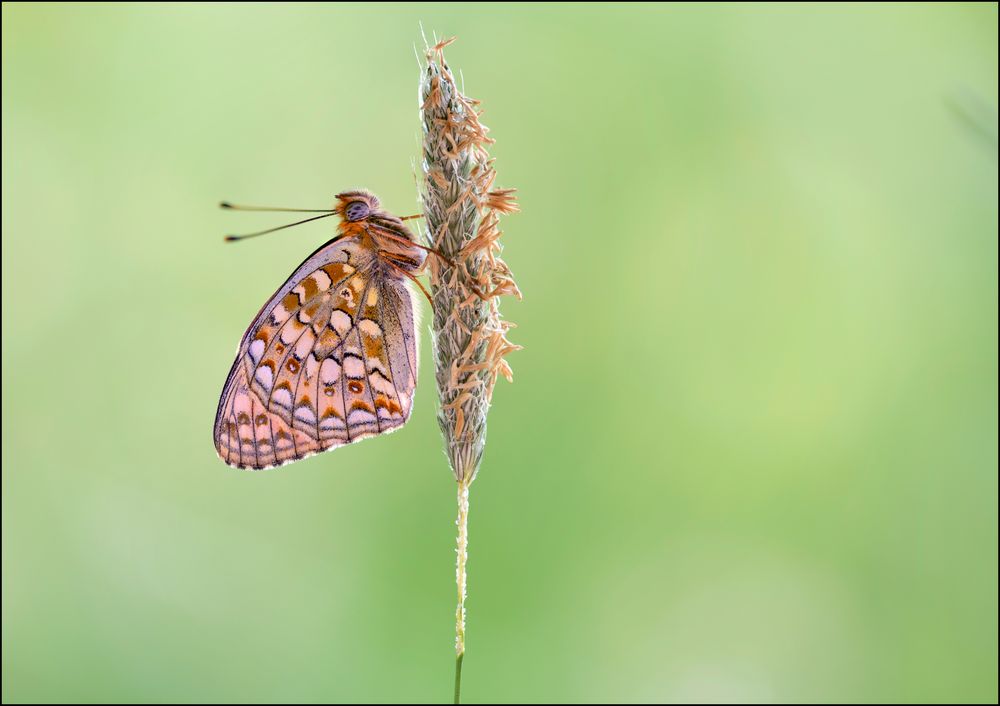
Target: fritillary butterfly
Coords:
[(331, 358)]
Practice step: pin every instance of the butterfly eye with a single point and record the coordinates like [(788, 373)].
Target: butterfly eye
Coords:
[(356, 210)]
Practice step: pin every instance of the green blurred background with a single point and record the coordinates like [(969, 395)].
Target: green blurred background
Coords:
[(750, 452)]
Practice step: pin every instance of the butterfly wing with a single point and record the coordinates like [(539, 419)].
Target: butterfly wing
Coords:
[(329, 360)]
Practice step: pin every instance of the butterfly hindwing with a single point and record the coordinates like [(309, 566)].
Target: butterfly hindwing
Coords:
[(330, 359)]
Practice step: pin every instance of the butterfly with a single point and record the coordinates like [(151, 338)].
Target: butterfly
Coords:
[(331, 358)]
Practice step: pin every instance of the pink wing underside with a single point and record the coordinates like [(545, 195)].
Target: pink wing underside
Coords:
[(330, 359)]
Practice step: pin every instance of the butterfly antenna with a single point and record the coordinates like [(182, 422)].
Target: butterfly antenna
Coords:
[(233, 207), (231, 238)]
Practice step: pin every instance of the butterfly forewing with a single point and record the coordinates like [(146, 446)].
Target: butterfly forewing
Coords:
[(330, 359)]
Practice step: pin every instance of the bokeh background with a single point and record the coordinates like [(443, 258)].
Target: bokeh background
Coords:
[(750, 452)]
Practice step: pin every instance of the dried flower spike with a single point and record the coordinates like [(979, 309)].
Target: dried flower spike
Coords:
[(462, 210)]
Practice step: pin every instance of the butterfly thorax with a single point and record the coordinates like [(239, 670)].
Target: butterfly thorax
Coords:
[(387, 235)]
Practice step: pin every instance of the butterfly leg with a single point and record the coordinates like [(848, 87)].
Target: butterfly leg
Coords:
[(404, 241), (390, 260)]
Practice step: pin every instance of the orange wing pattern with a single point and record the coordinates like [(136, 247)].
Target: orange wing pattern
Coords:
[(329, 360)]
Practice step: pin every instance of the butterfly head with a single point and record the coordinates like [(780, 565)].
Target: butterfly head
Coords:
[(387, 234), (355, 206)]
